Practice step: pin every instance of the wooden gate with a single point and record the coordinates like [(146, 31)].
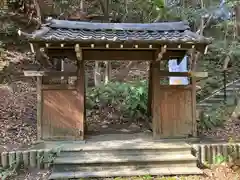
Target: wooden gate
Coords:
[(174, 112), (61, 103), (173, 106), (62, 115)]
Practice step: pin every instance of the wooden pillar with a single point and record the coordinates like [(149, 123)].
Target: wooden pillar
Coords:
[(194, 56), (156, 120), (150, 89), (81, 124), (156, 116), (81, 92), (194, 108), (39, 107)]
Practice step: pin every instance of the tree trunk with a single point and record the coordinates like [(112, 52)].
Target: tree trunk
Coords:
[(236, 112), (97, 74), (105, 9), (237, 11), (108, 70)]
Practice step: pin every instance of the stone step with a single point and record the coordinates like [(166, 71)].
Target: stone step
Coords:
[(115, 172), (121, 152), (124, 145), (120, 166), (97, 159)]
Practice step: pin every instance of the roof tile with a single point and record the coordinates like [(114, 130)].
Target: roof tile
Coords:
[(60, 30)]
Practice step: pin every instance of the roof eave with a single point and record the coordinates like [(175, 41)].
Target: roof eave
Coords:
[(77, 41), (35, 35)]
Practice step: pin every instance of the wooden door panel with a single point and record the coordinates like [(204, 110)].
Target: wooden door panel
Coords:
[(176, 112), (62, 115)]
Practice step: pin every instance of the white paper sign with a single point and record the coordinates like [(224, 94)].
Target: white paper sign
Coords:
[(174, 67)]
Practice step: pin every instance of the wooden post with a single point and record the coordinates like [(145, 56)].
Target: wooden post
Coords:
[(156, 121), (156, 116), (62, 68), (33, 158), (150, 87), (4, 159), (39, 107), (25, 158), (81, 92), (81, 124), (12, 159), (40, 159), (193, 60), (19, 158)]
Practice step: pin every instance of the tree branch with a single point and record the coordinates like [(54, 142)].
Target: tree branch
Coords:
[(20, 18), (38, 12), (102, 6)]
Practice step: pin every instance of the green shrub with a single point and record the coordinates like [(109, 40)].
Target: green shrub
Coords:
[(216, 115), (129, 98)]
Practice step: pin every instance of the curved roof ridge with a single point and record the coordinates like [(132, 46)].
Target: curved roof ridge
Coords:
[(162, 26)]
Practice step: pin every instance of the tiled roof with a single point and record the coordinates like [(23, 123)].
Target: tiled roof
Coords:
[(62, 30)]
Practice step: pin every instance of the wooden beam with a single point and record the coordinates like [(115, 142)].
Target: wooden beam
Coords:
[(131, 55), (176, 87), (161, 53), (174, 74), (58, 87), (49, 73), (33, 73), (120, 54), (183, 74), (122, 45), (198, 74)]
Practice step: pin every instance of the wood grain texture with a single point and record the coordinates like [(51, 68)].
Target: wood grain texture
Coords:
[(156, 118), (119, 54), (175, 112), (81, 103), (150, 89), (61, 114)]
